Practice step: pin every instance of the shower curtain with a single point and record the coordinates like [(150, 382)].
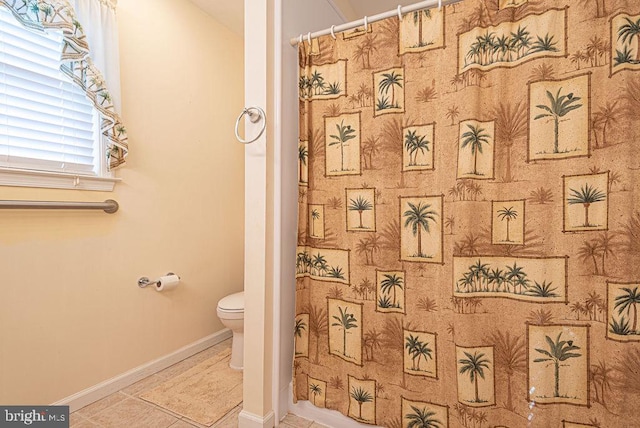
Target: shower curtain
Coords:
[(469, 229)]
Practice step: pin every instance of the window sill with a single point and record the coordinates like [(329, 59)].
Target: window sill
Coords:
[(53, 180)]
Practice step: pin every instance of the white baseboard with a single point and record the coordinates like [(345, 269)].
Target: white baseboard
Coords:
[(330, 418), (251, 420), (115, 384)]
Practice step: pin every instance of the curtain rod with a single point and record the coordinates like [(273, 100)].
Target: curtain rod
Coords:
[(401, 10)]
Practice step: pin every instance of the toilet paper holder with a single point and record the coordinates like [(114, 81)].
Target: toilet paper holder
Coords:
[(144, 281)]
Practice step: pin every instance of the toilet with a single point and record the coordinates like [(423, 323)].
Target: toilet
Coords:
[(231, 312)]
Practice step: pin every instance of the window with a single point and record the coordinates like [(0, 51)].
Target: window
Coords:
[(49, 129)]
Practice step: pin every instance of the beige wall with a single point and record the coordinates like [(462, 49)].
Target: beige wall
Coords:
[(347, 9), (71, 313)]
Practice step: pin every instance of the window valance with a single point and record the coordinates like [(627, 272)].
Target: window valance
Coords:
[(77, 64)]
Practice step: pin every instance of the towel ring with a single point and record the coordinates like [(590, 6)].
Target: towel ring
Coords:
[(255, 114), (309, 38), (366, 23), (333, 33), (400, 12)]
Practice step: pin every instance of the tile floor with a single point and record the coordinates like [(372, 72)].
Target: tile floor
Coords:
[(125, 408)]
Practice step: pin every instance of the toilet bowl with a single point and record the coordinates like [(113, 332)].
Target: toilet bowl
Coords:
[(230, 310)]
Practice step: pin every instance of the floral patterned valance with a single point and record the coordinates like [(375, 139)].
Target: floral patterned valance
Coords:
[(76, 63), (112, 4)]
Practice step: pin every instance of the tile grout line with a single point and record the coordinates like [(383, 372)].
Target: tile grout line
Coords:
[(155, 406), (92, 421), (82, 419), (78, 412)]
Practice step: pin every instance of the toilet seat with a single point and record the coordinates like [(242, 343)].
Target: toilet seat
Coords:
[(233, 303), (230, 310), (228, 316)]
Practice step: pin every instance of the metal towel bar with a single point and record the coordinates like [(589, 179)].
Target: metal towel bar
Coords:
[(109, 206)]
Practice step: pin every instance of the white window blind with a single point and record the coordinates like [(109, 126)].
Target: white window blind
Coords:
[(46, 122)]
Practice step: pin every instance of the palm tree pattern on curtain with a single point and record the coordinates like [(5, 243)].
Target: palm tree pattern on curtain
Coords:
[(468, 236)]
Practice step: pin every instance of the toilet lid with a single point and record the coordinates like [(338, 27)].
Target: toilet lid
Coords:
[(232, 303)]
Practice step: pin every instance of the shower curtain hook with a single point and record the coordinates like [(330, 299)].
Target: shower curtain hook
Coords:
[(366, 23), (400, 12), (333, 33), (300, 39), (439, 4), (309, 38)]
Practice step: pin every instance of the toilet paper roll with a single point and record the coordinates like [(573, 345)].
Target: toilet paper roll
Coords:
[(167, 282)]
